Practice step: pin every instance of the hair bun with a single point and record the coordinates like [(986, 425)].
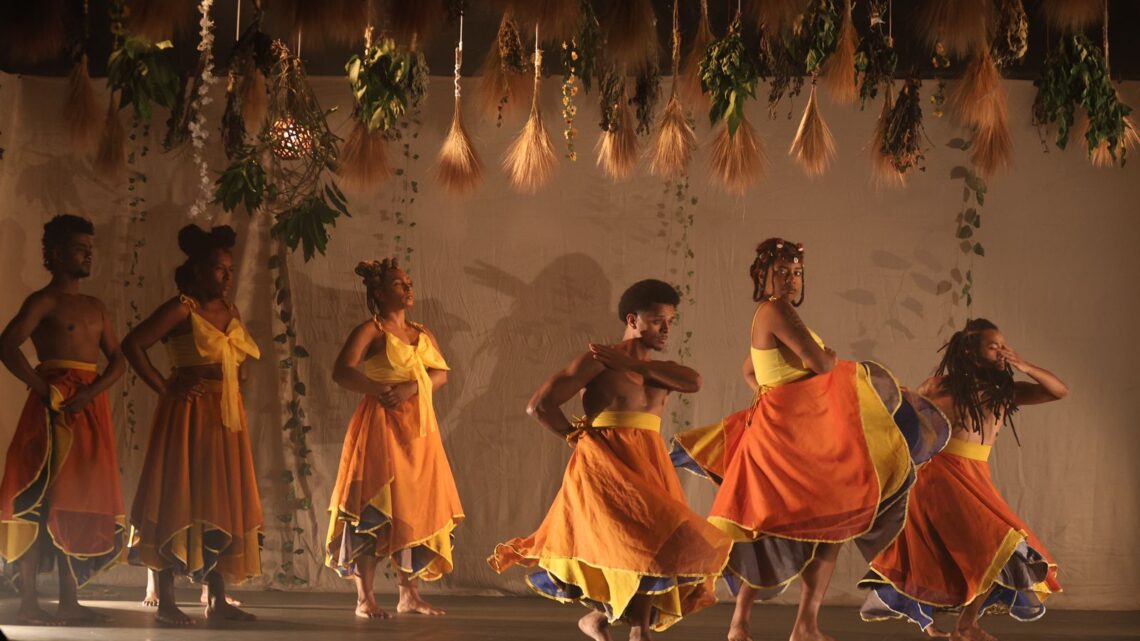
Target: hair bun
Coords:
[(195, 241)]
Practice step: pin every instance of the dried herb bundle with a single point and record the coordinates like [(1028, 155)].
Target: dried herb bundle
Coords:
[(875, 59), (506, 77), (646, 93), (903, 131), (1012, 39)]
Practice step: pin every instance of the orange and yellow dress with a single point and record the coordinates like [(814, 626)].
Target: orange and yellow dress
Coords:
[(620, 528), (197, 509), (817, 459), (961, 540), (395, 496), (61, 475)]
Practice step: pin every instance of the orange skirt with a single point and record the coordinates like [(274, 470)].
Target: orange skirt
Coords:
[(620, 527), (394, 496), (62, 473), (197, 509), (961, 541), (822, 460)]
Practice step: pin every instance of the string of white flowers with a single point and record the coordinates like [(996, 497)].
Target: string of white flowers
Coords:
[(198, 131)]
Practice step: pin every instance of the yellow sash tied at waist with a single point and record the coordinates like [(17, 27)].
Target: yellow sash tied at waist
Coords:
[(633, 420), (402, 362), (229, 348), (966, 449), (57, 399)]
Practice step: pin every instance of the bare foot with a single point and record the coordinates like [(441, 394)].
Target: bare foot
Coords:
[(805, 634), (935, 632), (417, 605), (151, 599), (227, 612), (171, 615), (596, 626), (78, 614), (371, 610), (739, 632), (205, 600), (972, 633), (639, 633), (34, 615)]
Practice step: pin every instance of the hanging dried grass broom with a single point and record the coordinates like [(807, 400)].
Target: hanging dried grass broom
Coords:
[(1105, 154), (111, 156), (530, 160), (884, 174), (675, 140), (460, 169), (631, 33), (979, 101), (1071, 16), (960, 26), (81, 111), (617, 146), (814, 146), (737, 157), (692, 94), (776, 16), (364, 156), (838, 73)]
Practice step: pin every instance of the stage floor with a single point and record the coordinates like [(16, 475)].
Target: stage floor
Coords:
[(328, 617)]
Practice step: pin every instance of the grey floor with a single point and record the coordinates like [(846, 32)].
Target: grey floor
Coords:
[(328, 617)]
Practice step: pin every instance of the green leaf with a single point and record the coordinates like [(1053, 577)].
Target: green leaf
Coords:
[(979, 250), (300, 352), (965, 231)]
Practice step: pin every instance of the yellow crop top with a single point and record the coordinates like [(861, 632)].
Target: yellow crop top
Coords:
[(779, 365), (401, 362), (208, 345)]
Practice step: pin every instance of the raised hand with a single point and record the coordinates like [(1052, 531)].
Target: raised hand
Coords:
[(1014, 359), (613, 358)]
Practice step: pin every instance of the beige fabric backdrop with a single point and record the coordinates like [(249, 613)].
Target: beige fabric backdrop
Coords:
[(515, 286)]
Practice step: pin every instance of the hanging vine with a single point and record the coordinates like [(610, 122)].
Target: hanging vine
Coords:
[(298, 495), (967, 225), (133, 278), (679, 236)]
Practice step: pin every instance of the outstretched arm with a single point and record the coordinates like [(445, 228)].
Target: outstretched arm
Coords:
[(785, 324), (34, 309), (666, 374), (1046, 386), (546, 404)]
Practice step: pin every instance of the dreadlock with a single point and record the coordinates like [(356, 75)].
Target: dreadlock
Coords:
[(374, 272), (767, 253), (976, 390)]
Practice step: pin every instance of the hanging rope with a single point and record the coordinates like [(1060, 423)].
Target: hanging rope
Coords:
[(459, 56)]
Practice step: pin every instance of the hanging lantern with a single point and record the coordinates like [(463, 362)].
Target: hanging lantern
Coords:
[(290, 139)]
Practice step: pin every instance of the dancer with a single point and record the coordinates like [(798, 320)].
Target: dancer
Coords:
[(60, 500), (619, 536), (394, 497), (821, 458), (197, 510), (963, 547)]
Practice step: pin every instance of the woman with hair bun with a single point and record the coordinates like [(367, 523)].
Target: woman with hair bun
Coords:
[(197, 511), (394, 497)]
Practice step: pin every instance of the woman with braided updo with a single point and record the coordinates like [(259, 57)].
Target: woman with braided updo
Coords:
[(197, 511), (820, 458), (394, 497)]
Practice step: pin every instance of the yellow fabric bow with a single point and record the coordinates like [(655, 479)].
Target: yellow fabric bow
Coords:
[(229, 348)]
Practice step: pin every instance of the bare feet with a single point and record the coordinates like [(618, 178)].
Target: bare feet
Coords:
[(77, 614), (205, 600), (370, 610), (935, 632), (739, 632), (151, 599), (806, 634), (34, 615), (226, 612), (972, 633), (596, 626), (171, 615), (639, 633), (415, 604)]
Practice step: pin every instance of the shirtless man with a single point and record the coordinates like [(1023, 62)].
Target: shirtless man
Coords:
[(619, 485), (67, 511), (955, 506)]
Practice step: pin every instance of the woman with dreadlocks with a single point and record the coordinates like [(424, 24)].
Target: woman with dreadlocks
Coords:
[(819, 459), (394, 496), (963, 547)]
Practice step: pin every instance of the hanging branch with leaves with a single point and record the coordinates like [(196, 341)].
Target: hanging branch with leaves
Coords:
[(728, 77), (875, 58)]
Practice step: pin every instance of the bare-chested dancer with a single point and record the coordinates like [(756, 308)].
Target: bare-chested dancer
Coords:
[(60, 499), (619, 486)]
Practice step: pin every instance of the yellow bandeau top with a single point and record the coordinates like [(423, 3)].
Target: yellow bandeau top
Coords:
[(400, 362), (208, 345), (779, 365)]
